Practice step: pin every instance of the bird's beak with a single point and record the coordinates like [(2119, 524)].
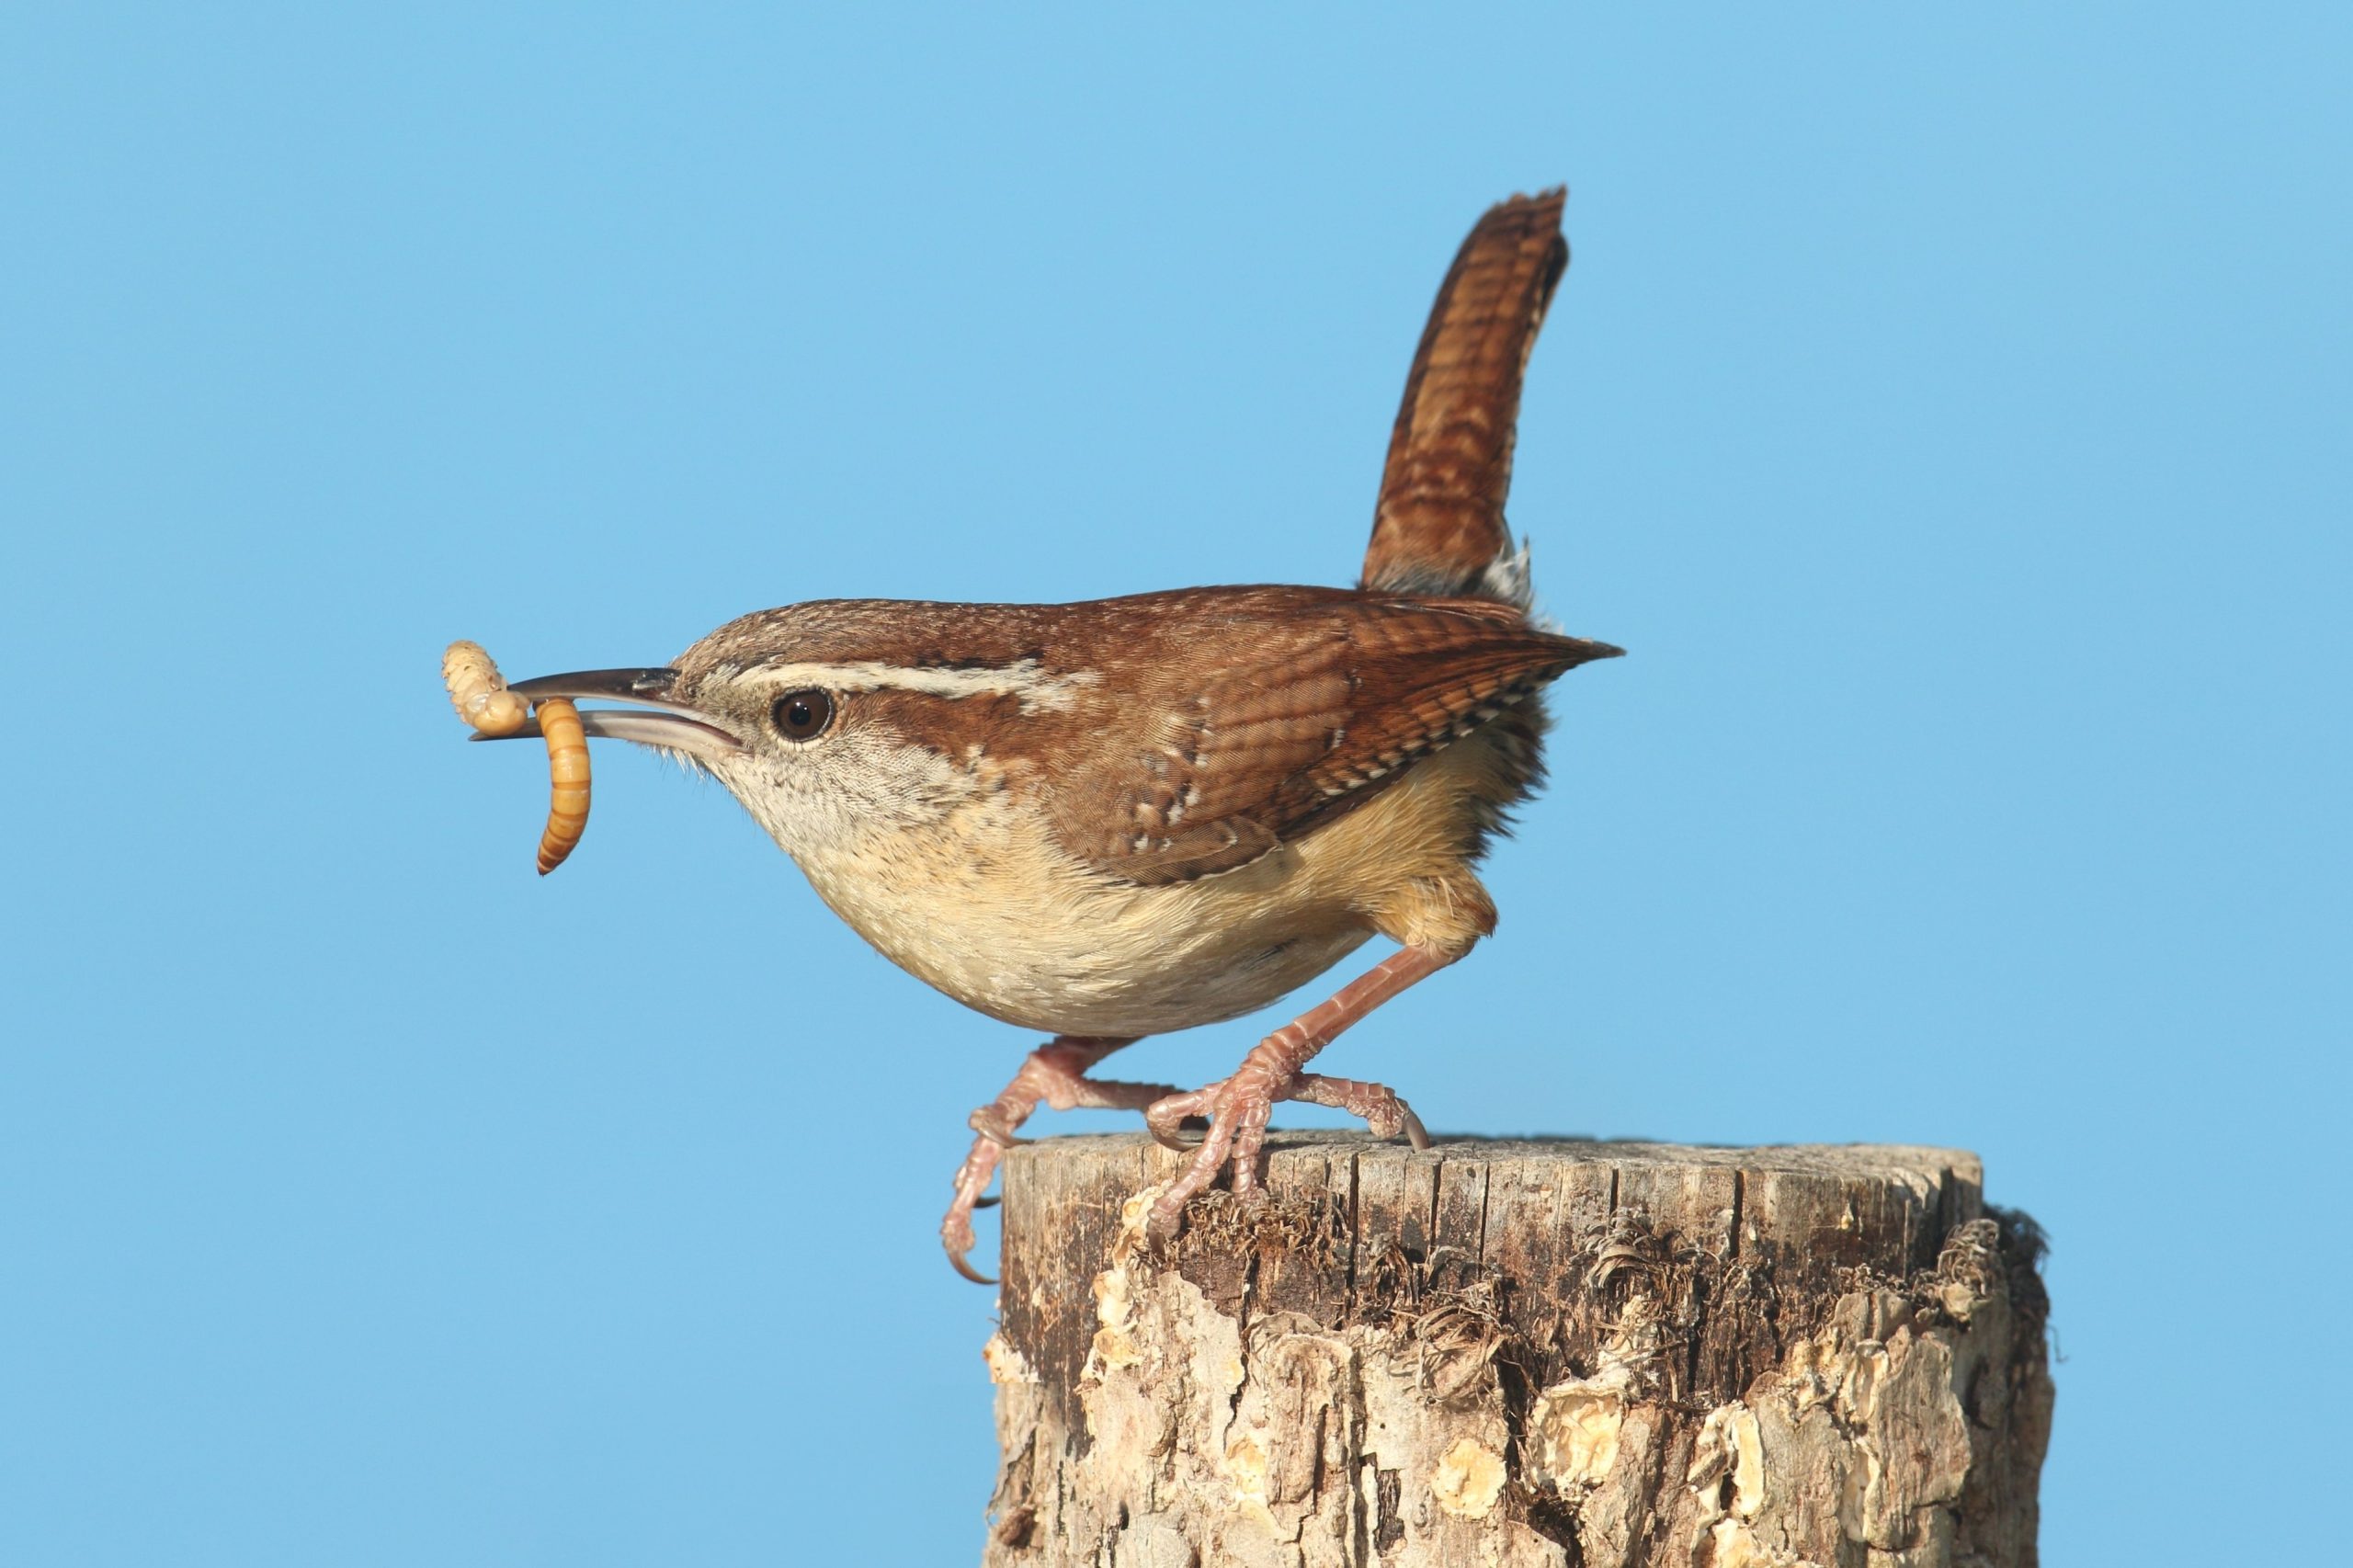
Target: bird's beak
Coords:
[(670, 724)]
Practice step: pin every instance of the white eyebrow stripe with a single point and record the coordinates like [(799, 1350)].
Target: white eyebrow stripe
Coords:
[(1022, 679)]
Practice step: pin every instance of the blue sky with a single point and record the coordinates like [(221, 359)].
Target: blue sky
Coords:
[(1949, 411)]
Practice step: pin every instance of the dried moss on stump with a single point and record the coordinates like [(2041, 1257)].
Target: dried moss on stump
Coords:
[(1543, 1353)]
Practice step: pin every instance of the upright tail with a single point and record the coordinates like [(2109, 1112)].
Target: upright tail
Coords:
[(1440, 528)]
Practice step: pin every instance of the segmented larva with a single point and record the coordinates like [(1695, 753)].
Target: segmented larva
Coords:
[(483, 699), (567, 782), (479, 693)]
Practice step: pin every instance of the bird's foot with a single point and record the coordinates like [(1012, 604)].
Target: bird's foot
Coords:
[(956, 1230), (1056, 1075), (1238, 1108)]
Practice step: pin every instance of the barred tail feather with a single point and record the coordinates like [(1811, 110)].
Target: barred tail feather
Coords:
[(1439, 529)]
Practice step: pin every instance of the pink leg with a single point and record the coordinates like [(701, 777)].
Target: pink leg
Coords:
[(1055, 1074), (1238, 1107)]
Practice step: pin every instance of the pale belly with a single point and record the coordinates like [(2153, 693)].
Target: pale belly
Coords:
[(1022, 934), (981, 903)]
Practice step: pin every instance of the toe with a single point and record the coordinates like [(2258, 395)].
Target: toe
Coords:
[(989, 1124), (971, 1183), (1166, 1119)]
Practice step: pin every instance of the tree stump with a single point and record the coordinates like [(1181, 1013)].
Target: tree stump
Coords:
[(1564, 1353)]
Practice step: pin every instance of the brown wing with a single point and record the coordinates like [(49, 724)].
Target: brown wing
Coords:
[(1441, 519), (1304, 717)]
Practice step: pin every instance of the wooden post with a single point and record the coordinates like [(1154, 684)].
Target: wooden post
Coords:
[(1572, 1353)]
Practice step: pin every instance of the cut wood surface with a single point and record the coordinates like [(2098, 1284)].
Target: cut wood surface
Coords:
[(1560, 1352)]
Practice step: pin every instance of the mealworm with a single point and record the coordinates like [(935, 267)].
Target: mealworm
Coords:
[(479, 693), (483, 699), (567, 780)]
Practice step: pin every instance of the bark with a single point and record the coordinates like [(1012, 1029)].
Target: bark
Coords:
[(1561, 1353)]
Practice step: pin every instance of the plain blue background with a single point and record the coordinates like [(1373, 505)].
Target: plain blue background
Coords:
[(1949, 413)]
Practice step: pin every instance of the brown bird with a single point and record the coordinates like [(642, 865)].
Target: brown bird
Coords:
[(1110, 820)]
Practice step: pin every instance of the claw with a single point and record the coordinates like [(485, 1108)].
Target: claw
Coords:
[(957, 1261), (1415, 1133), (991, 1201)]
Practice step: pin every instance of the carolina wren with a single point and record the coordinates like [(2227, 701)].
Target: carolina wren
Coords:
[(1109, 819)]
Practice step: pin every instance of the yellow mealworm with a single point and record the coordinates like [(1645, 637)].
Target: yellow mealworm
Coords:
[(483, 699), (479, 693), (568, 781)]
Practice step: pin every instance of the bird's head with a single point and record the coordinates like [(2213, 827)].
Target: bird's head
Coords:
[(828, 720)]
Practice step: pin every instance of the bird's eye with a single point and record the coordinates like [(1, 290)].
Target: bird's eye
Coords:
[(802, 715)]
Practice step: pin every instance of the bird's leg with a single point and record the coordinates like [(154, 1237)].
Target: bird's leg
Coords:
[(1238, 1106), (1055, 1074)]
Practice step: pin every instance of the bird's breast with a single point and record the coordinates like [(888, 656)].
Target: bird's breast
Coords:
[(986, 906), (984, 903)]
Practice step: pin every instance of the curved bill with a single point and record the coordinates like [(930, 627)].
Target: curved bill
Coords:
[(671, 725)]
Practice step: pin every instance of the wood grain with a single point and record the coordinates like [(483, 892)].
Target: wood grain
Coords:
[(1519, 1352)]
